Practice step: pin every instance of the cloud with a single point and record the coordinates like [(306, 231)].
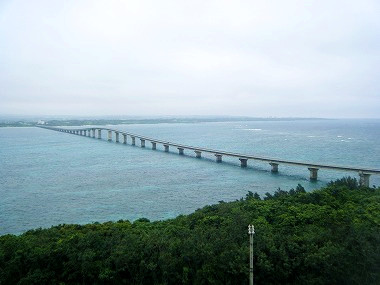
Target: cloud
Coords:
[(256, 58)]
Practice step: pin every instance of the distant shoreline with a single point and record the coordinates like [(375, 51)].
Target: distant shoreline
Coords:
[(96, 122)]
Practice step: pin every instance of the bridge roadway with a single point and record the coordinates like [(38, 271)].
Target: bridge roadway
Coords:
[(364, 173)]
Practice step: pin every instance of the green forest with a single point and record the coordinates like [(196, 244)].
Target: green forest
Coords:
[(327, 236)]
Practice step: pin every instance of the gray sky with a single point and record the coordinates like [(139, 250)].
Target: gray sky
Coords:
[(251, 58)]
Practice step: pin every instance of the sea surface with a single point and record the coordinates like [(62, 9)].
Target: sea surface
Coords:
[(49, 178)]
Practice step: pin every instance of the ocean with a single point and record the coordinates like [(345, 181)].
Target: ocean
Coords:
[(49, 178)]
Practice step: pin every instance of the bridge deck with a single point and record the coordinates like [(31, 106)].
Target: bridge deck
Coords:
[(231, 154)]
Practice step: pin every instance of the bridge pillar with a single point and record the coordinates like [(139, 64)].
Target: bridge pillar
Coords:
[(154, 145), (218, 157), (313, 173), (109, 135), (180, 150), (274, 167), (81, 132), (243, 162), (117, 137), (124, 139), (133, 140), (364, 179), (89, 133), (142, 142), (93, 133), (166, 147), (99, 133), (198, 154)]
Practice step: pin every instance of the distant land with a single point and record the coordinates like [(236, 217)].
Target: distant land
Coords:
[(14, 122)]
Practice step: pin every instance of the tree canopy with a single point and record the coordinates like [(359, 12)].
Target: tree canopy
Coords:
[(328, 236)]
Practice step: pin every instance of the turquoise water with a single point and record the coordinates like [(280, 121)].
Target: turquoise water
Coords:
[(49, 178)]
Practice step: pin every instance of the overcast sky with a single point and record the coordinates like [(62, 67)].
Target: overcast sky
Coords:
[(251, 58)]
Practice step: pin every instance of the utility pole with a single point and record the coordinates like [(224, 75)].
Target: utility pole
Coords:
[(251, 232)]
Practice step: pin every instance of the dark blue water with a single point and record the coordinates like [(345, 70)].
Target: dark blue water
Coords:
[(49, 178)]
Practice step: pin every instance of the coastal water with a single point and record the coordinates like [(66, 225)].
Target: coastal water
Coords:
[(49, 178)]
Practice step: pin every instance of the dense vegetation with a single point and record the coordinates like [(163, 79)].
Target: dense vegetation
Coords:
[(328, 236)]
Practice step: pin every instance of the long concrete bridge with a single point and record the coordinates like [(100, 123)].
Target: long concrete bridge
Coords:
[(364, 173)]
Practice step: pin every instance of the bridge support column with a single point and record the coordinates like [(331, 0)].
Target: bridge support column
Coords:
[(109, 135), (133, 140), (124, 139), (89, 133), (243, 162), (218, 157), (142, 143), (313, 173), (274, 167), (364, 179), (117, 137), (180, 150), (99, 133), (81, 133), (85, 133), (93, 133), (154, 145), (198, 154), (166, 146)]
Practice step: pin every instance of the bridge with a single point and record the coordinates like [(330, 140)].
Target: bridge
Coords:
[(364, 173)]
